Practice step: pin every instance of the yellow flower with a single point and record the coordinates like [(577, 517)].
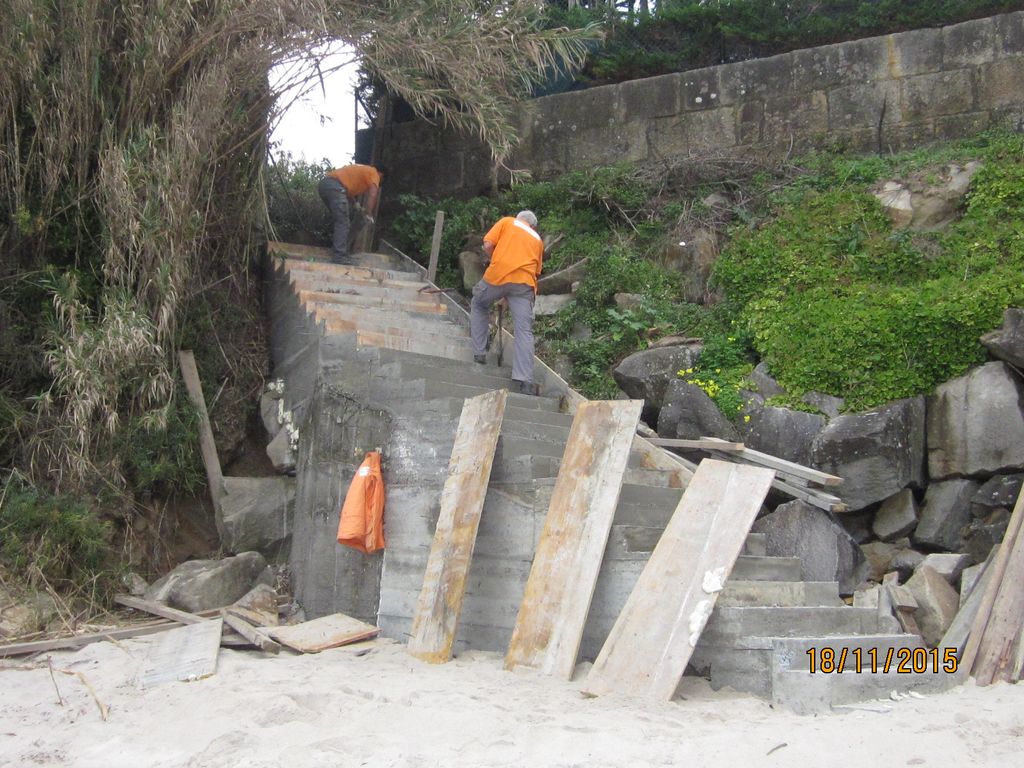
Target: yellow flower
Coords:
[(746, 418)]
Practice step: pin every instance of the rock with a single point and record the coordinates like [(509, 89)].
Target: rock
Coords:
[(937, 604), (866, 596), (269, 411), (256, 514), (551, 305), (948, 565), (134, 584), (645, 375), (858, 525), (945, 512), (997, 492), (472, 265), (259, 605), (581, 332), (763, 383), (924, 205), (689, 413), (968, 578), (693, 256), (563, 280), (676, 341), (281, 454), (199, 585), (628, 300), (796, 529), (981, 534), (975, 423), (897, 517), (895, 200), (877, 453), (1007, 343), (879, 555), (906, 562), (783, 433), (830, 406)]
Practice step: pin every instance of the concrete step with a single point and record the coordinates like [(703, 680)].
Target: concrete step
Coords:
[(367, 290), (314, 281), (654, 477), (341, 272), (426, 322), (427, 389), (437, 347), (754, 568), (435, 334), (477, 375), (384, 301), (744, 627), (389, 356), (777, 593)]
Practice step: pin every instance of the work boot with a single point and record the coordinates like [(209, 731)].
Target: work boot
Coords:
[(525, 388), (481, 359)]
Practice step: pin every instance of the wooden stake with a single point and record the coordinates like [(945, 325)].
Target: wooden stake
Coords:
[(435, 247), (214, 476)]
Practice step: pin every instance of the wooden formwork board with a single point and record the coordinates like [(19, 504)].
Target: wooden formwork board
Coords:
[(654, 636), (561, 584), (436, 619)]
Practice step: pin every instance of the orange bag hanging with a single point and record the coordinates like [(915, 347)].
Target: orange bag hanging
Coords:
[(362, 515)]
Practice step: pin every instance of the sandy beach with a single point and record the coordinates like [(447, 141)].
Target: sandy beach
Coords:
[(349, 707)]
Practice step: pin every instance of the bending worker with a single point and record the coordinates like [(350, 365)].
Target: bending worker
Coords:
[(516, 252), (336, 189)]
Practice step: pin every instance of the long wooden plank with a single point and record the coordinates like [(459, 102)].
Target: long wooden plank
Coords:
[(957, 633), (698, 445), (435, 247), (462, 501), (186, 653), (323, 633), (561, 584), (158, 609), (998, 568), (655, 634), (207, 447), (78, 641), (995, 657), (782, 466)]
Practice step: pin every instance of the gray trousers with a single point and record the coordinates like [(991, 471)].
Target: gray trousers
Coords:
[(332, 192), (520, 301)]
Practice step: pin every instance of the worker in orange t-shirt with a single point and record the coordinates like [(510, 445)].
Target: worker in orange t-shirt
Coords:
[(336, 189), (516, 252)]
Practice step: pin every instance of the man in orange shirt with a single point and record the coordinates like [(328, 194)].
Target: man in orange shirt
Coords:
[(516, 252), (339, 186)]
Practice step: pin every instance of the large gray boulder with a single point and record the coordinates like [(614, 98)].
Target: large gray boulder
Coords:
[(877, 453), (199, 585), (472, 265), (945, 513), (256, 514), (782, 432), (689, 413), (645, 375), (999, 491), (1007, 343), (763, 383), (828, 552), (976, 423), (897, 517), (562, 280), (937, 604)]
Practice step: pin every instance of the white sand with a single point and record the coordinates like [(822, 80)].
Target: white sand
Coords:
[(387, 709)]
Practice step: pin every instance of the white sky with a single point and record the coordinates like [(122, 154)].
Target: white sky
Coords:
[(320, 124)]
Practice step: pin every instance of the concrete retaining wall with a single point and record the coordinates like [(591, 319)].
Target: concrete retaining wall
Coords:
[(890, 92)]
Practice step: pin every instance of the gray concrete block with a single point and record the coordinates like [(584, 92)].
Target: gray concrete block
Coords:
[(779, 593)]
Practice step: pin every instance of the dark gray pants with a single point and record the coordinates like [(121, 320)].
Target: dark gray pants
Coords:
[(520, 301), (332, 192)]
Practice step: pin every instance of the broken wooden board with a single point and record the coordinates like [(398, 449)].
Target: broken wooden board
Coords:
[(956, 634), (996, 654), (654, 636), (186, 653), (158, 609), (781, 466), (207, 446), (323, 633), (554, 609), (254, 636), (436, 619)]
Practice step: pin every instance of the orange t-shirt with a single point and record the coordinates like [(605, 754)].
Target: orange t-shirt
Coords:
[(518, 253), (356, 178), (361, 520)]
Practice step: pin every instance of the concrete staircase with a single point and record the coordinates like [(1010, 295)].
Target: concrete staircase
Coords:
[(372, 359)]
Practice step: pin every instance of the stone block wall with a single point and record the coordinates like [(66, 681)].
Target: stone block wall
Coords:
[(878, 94)]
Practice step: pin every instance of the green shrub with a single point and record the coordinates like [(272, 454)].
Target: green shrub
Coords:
[(55, 540), (296, 212)]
